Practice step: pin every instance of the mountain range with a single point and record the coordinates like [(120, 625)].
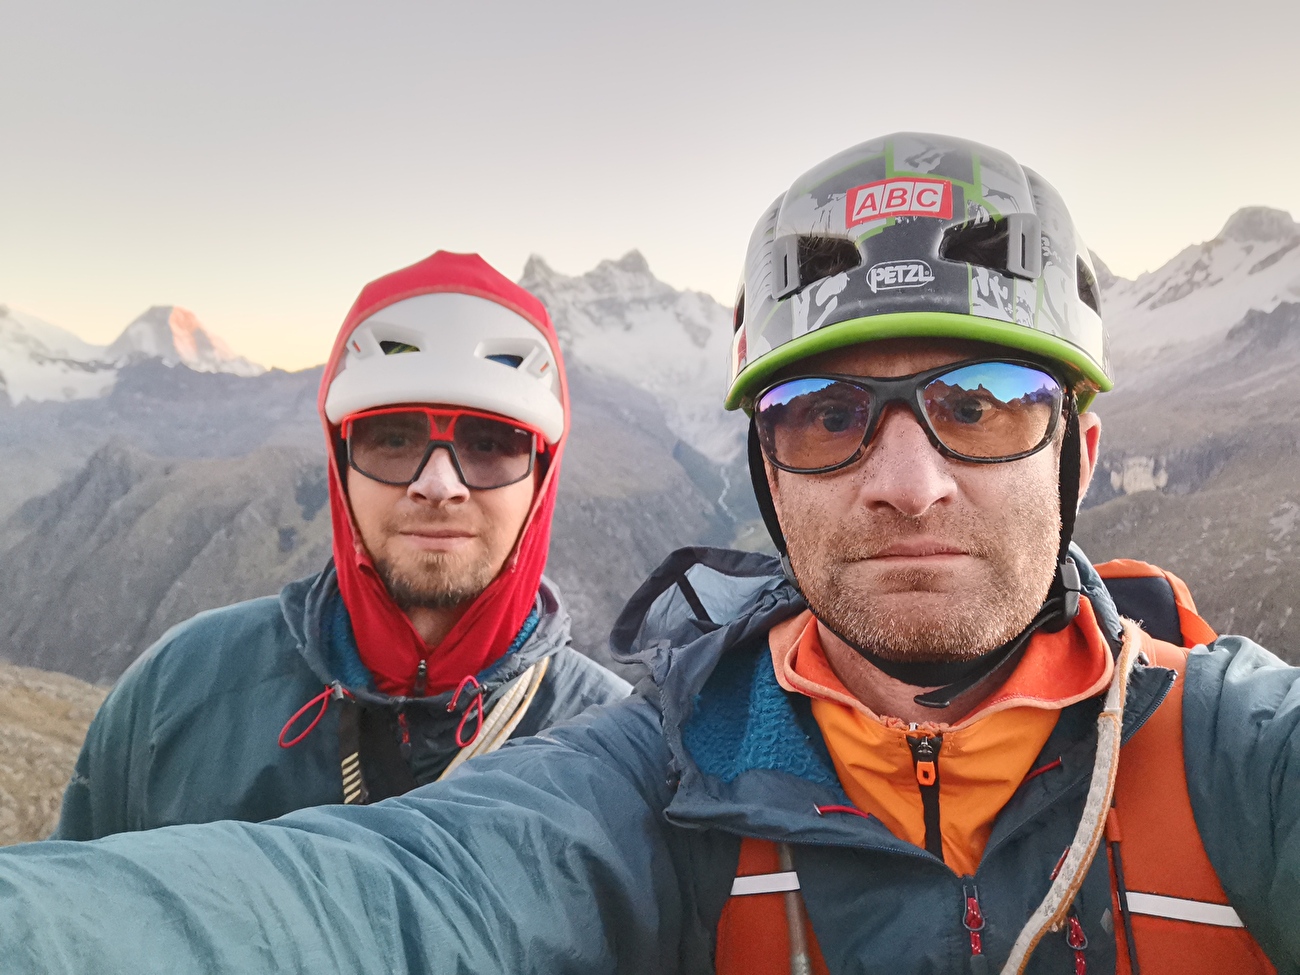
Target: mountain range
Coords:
[(164, 474), (40, 362), (174, 490)]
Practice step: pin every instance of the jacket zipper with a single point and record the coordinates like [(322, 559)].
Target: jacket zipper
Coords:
[(925, 757), (1078, 942), (404, 744), (421, 679), (973, 922)]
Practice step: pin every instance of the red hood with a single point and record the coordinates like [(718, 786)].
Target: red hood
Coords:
[(390, 646)]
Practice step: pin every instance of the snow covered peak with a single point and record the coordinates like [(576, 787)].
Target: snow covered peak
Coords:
[(177, 337), (40, 361), (629, 277), (621, 320), (1254, 263), (1260, 225)]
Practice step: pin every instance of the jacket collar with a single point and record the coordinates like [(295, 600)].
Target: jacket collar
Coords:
[(314, 612), (747, 755)]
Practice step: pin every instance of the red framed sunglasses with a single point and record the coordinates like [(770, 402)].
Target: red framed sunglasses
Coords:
[(392, 445)]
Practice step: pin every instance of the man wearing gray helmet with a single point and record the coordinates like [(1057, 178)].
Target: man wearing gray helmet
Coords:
[(924, 740)]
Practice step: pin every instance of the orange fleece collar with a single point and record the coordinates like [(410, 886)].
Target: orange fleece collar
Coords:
[(1056, 670), (984, 758)]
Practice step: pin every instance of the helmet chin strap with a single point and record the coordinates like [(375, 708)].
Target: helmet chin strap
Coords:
[(960, 677)]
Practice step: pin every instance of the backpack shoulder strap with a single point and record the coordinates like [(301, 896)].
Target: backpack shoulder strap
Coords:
[(1158, 600), (1177, 912), (764, 929)]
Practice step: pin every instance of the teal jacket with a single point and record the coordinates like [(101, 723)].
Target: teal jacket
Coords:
[(609, 843), (191, 732)]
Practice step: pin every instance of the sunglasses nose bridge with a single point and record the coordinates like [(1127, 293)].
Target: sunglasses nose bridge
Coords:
[(432, 448)]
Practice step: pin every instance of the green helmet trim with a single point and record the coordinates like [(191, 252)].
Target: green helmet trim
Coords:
[(1085, 376)]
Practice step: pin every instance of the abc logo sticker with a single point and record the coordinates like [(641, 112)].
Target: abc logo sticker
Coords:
[(898, 274)]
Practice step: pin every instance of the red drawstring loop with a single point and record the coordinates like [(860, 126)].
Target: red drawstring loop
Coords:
[(850, 810), (475, 708), (334, 690), (973, 922), (1055, 764), (1077, 941)]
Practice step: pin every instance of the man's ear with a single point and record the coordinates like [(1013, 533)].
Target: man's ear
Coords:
[(1089, 449)]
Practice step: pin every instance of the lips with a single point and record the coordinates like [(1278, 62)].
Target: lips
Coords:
[(437, 532), (920, 548), (435, 539)]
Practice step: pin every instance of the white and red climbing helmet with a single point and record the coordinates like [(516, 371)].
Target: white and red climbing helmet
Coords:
[(455, 349)]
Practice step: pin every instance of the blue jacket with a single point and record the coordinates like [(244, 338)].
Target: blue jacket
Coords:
[(190, 734), (609, 843)]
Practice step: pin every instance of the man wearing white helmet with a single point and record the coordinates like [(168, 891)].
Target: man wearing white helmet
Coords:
[(431, 637)]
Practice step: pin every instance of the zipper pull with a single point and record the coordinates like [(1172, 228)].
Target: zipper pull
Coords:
[(925, 753), (925, 756), (421, 678), (404, 745), (973, 922), (1078, 942)]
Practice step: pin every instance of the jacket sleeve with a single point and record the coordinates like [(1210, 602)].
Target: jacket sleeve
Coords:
[(1241, 717), (112, 764), (549, 855)]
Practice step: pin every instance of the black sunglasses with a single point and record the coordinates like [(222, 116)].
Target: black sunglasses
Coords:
[(984, 411)]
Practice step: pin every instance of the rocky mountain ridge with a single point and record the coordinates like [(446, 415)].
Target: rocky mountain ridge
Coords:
[(1252, 264), (172, 490), (620, 320)]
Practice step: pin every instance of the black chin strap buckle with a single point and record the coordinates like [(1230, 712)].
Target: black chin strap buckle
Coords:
[(1068, 588), (788, 570)]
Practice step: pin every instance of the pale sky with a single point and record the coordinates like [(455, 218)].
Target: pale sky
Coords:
[(258, 162)]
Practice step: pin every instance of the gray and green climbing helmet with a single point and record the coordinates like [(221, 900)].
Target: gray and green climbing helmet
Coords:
[(918, 235)]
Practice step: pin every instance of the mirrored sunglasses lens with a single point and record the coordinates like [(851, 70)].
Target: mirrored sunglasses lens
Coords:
[(389, 446), (812, 424), (993, 410), (492, 453)]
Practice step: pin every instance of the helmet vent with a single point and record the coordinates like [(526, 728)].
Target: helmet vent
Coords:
[(1010, 244), (397, 348), (1089, 293), (808, 258), (513, 361), (823, 257)]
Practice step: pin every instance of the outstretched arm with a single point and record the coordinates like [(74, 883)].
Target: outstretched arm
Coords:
[(549, 855), (1241, 715)]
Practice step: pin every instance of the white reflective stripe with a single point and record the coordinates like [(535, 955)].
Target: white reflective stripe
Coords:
[(1177, 909), (765, 883)]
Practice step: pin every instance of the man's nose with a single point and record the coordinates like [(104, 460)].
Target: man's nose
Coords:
[(902, 469), (438, 483)]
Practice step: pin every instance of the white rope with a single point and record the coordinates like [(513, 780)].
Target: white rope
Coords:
[(504, 717), (539, 672), (1087, 838)]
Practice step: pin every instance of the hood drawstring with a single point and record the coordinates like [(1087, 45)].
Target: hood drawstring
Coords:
[(475, 708), (334, 691)]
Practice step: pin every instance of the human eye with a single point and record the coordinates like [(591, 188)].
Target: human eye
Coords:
[(834, 417)]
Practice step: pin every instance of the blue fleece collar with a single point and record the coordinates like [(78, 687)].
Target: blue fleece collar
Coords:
[(743, 720)]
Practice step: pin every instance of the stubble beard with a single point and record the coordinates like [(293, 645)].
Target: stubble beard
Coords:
[(922, 615), (434, 580)]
